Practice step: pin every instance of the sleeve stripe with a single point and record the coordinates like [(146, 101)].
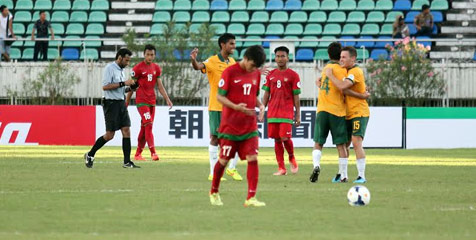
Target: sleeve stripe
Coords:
[(266, 88), (222, 91), (350, 80), (296, 91)]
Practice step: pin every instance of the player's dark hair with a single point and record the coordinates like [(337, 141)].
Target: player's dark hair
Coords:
[(123, 52), (425, 7), (256, 53), (334, 50), (150, 47), (281, 49), (351, 50), (224, 38), (2, 8), (41, 12)]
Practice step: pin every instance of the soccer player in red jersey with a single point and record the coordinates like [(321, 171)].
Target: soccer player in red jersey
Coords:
[(238, 132), (146, 74), (282, 89)]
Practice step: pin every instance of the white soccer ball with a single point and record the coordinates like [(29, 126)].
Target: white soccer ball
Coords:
[(358, 196)]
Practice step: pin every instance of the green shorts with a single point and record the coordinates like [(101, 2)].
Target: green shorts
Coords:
[(326, 122), (214, 118), (357, 127)]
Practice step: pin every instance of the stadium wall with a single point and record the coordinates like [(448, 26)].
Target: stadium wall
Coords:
[(188, 126)]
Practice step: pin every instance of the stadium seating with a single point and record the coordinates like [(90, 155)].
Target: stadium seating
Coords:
[(293, 5), (240, 17), (304, 54), (70, 54), (379, 53), (43, 5), (237, 5), (8, 3)]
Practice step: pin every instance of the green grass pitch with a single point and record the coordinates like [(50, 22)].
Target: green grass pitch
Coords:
[(46, 192)]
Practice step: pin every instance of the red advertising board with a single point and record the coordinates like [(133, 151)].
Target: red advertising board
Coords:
[(47, 125)]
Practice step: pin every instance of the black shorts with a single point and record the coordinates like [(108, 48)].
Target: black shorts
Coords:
[(115, 114)]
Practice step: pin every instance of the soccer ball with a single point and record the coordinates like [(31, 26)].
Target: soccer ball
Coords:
[(358, 196)]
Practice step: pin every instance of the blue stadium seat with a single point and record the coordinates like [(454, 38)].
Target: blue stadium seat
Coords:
[(70, 54), (383, 44), (293, 5), (474, 58), (437, 16), (379, 53), (272, 5), (266, 44), (304, 54), (425, 43), (402, 5), (178, 54), (410, 17), (412, 29), (366, 44), (219, 5), (346, 43)]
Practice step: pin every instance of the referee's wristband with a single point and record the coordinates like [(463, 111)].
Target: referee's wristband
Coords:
[(122, 84)]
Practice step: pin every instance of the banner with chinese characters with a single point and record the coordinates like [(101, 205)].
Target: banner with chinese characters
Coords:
[(188, 126)]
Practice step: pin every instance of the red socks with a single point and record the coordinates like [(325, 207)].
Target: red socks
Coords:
[(252, 175), (140, 141), (288, 144), (217, 175), (149, 137), (279, 150)]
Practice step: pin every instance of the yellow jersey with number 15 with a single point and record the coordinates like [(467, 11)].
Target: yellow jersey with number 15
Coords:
[(330, 98), (356, 107), (214, 67)]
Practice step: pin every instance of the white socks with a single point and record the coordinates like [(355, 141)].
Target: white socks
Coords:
[(232, 163), (213, 155), (316, 157), (361, 167), (343, 167)]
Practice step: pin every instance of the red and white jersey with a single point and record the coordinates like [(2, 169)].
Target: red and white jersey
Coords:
[(146, 76)]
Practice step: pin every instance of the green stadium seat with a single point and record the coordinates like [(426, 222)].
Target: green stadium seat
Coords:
[(417, 4), (43, 5), (321, 54), (8, 3), (29, 43), (260, 16), (15, 53), (347, 5), (36, 16), (58, 28), (332, 29), (200, 5), (161, 16), (24, 5), (370, 29), (240, 16), (256, 5), (366, 5), (221, 16), (95, 29), (17, 43), (351, 29), (361, 53), (384, 5), (181, 16), (29, 29), (298, 17), (97, 16), (387, 29), (55, 43), (236, 54), (275, 29), (90, 53), (100, 5), (164, 5), (336, 16), (27, 54), (317, 17), (356, 17), (62, 5), (329, 5), (18, 28), (93, 43), (296, 43), (60, 16), (251, 43), (309, 44), (279, 17), (157, 29), (310, 5), (53, 53), (255, 29), (194, 27), (439, 5), (22, 16), (78, 16), (236, 29), (391, 16), (313, 29), (237, 5), (75, 28), (219, 28), (294, 29), (376, 17), (80, 5), (201, 16), (325, 44), (179, 27), (182, 5), (72, 43)]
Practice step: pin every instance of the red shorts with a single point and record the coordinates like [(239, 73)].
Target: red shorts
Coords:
[(228, 148), (280, 130), (147, 114)]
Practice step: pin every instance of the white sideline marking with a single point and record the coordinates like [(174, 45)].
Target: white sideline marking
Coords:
[(71, 191), (470, 208)]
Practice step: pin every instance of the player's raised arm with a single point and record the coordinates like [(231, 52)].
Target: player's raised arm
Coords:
[(164, 94), (341, 85), (193, 57)]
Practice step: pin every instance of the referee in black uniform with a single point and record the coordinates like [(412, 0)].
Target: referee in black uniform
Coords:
[(115, 110)]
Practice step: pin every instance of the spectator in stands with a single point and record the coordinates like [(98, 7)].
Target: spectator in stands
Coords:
[(41, 27), (424, 22), (6, 31), (400, 29)]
